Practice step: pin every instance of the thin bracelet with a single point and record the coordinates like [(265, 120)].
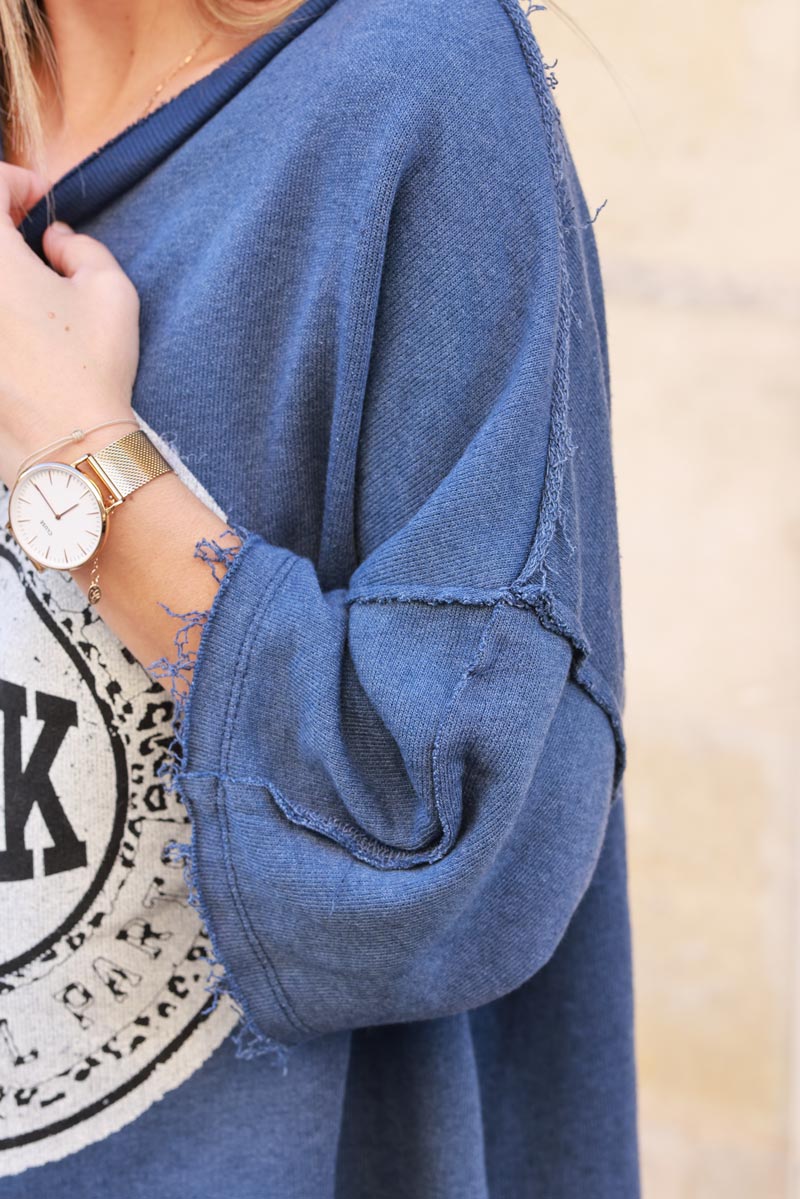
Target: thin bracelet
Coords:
[(76, 435)]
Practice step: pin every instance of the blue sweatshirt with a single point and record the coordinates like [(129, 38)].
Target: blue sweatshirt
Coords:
[(398, 963)]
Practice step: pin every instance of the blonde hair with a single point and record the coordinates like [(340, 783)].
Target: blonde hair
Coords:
[(25, 42)]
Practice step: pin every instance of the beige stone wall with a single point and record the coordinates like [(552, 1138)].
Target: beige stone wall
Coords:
[(696, 151)]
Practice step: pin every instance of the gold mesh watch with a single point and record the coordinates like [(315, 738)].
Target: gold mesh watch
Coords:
[(59, 513)]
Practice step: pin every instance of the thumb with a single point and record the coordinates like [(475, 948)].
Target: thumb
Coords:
[(19, 191), (70, 252)]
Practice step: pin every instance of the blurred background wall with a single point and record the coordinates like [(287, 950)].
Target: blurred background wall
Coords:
[(696, 153)]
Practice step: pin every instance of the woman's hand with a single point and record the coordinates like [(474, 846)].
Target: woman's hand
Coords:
[(69, 337), (69, 350)]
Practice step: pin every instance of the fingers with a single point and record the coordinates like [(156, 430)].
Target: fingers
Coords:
[(70, 252), (19, 191), (67, 251), (79, 257)]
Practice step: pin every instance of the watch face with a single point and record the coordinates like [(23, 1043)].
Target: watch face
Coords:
[(56, 515)]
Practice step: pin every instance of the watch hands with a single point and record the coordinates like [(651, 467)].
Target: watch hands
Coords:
[(49, 505), (58, 515)]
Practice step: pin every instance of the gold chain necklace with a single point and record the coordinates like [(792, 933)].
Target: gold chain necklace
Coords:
[(167, 78)]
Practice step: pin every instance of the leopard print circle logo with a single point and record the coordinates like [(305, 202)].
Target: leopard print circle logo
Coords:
[(103, 962)]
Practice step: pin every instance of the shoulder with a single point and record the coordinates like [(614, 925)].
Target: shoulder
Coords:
[(456, 89), (426, 32), (432, 120), (426, 54)]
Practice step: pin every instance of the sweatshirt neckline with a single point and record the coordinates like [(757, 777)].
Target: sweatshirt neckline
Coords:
[(132, 153)]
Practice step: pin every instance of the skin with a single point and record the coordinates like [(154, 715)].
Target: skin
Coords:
[(112, 54), (69, 343)]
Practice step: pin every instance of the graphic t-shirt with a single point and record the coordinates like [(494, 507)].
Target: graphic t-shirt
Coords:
[(103, 984)]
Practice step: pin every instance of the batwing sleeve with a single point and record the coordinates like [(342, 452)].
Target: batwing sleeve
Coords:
[(398, 788)]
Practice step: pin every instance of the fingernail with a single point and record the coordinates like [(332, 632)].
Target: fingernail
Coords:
[(61, 227)]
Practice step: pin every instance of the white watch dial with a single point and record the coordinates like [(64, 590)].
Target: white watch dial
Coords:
[(56, 516)]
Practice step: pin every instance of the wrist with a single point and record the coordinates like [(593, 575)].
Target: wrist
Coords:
[(74, 448), (93, 441)]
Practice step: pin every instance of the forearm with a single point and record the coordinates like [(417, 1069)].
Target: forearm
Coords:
[(148, 561)]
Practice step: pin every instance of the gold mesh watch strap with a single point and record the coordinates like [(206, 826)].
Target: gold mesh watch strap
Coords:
[(130, 462)]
